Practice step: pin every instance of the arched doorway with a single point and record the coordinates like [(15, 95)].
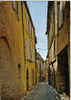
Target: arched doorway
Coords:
[(6, 75), (4, 67), (27, 79)]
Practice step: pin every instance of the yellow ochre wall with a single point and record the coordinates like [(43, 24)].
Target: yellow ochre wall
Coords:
[(12, 46), (13, 63), (29, 58)]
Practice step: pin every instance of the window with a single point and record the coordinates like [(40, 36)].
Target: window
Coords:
[(53, 21), (61, 17), (29, 25), (27, 21), (30, 29), (56, 18), (19, 67), (15, 6), (28, 49)]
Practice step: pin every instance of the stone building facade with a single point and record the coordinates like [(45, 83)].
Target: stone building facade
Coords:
[(63, 48), (29, 41), (13, 35), (51, 44), (58, 30), (39, 66)]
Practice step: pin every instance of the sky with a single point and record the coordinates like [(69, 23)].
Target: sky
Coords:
[(38, 11)]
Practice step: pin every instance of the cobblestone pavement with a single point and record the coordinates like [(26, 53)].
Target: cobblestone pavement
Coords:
[(43, 92)]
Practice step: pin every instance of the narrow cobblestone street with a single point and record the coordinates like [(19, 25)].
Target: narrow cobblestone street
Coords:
[(35, 50), (43, 92)]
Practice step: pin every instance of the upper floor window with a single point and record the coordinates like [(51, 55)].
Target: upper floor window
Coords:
[(15, 6), (61, 14), (53, 21), (56, 18), (28, 49), (30, 29), (27, 20)]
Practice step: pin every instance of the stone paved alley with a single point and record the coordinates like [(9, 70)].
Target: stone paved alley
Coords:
[(35, 50), (43, 92)]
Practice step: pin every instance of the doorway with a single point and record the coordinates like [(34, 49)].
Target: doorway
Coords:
[(64, 71)]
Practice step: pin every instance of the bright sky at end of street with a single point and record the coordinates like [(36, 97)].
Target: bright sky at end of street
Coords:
[(38, 11)]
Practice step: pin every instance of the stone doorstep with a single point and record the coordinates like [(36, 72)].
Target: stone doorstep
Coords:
[(64, 97)]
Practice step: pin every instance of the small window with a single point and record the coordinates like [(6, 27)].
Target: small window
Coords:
[(19, 70), (30, 30), (19, 67)]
